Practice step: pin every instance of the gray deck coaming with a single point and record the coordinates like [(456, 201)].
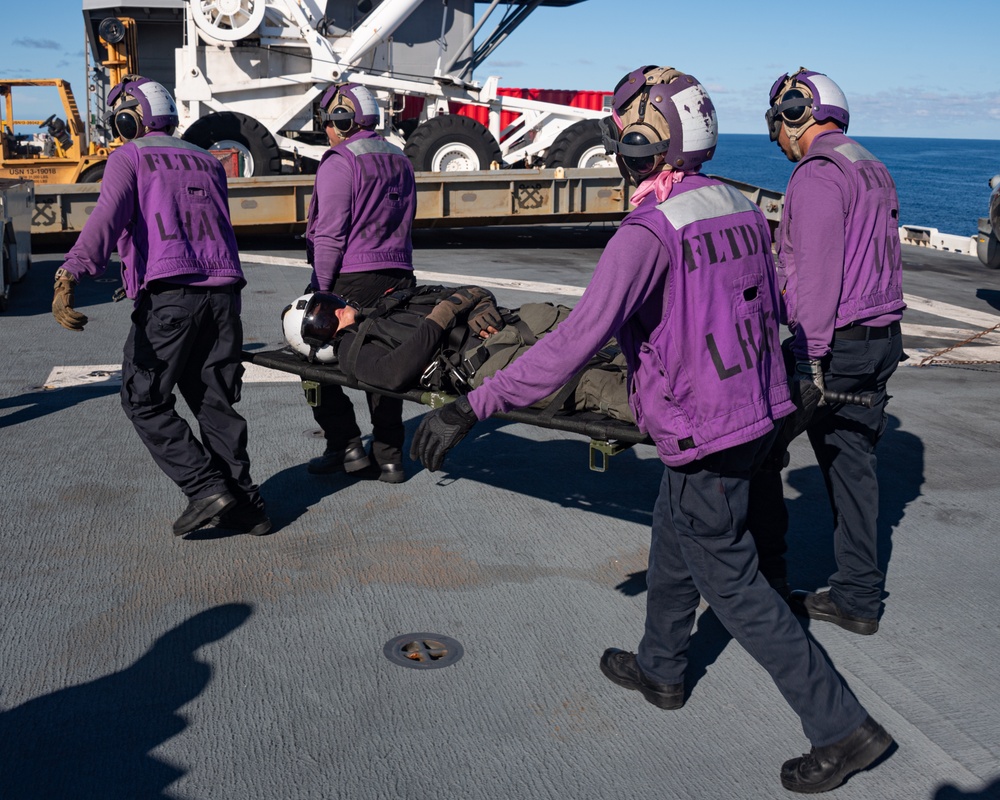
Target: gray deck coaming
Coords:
[(301, 702)]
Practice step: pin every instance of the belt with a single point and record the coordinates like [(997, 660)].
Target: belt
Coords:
[(864, 333), (162, 287)]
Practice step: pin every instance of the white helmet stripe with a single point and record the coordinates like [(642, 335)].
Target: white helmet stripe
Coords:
[(700, 132), (829, 93), (161, 104)]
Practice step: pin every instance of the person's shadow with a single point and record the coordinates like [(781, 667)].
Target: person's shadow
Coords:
[(991, 296), (990, 792), (289, 494), (556, 471), (40, 403), (94, 740)]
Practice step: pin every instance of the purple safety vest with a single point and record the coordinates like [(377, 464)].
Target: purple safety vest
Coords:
[(710, 376), (182, 226), (383, 206), (873, 266)]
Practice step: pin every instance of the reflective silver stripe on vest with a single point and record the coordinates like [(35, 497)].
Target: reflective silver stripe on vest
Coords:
[(363, 147), (166, 141), (853, 152), (708, 202)]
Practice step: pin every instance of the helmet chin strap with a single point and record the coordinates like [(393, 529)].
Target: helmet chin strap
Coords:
[(794, 134)]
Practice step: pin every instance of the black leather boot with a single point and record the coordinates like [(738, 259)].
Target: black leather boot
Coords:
[(350, 459), (825, 768), (820, 606), (621, 668)]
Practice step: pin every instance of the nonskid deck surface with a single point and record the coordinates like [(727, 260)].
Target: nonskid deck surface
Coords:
[(216, 666)]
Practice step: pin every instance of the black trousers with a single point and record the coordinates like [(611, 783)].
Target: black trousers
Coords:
[(700, 548), (335, 413), (844, 438), (190, 338)]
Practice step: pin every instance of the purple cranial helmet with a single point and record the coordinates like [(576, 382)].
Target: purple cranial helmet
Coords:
[(139, 105), (348, 104), (798, 101), (662, 119)]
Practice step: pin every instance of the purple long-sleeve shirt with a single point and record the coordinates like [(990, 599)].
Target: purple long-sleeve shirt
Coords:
[(163, 205), (362, 209), (629, 280), (839, 247)]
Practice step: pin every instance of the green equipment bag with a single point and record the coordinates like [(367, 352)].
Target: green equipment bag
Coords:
[(601, 386)]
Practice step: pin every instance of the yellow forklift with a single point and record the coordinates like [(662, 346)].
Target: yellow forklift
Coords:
[(56, 150)]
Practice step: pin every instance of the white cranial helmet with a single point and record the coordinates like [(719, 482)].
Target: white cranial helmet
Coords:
[(298, 324)]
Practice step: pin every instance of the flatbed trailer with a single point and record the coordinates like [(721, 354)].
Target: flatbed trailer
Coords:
[(608, 436), (278, 204)]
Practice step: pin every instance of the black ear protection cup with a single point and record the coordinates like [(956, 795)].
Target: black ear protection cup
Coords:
[(341, 117), (125, 121), (794, 105), (127, 124)]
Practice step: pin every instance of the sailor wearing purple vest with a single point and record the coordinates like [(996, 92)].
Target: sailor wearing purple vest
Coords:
[(687, 284), (164, 206), (358, 242), (840, 274)]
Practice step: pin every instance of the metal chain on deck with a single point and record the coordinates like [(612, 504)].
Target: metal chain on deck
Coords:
[(929, 360)]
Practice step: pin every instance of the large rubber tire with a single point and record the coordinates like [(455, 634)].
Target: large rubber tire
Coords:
[(451, 143), (579, 146), (252, 139), (988, 250), (94, 174)]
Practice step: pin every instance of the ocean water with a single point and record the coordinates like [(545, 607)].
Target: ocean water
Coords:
[(942, 183)]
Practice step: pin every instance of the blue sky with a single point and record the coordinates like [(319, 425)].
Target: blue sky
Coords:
[(918, 68), (908, 69)]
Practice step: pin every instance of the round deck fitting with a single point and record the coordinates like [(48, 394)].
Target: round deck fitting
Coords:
[(423, 650)]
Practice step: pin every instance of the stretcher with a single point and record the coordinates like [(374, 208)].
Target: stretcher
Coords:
[(608, 436)]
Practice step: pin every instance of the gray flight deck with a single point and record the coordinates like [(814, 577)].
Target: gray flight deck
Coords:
[(138, 665)]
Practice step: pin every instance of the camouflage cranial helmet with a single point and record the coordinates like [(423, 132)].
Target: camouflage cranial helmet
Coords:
[(799, 101), (346, 105), (139, 105), (662, 119)]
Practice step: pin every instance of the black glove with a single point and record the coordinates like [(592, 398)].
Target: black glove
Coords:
[(62, 302), (485, 317), (810, 372), (463, 299), (440, 430), (807, 398)]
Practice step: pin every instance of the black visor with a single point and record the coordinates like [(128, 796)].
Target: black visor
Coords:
[(319, 322)]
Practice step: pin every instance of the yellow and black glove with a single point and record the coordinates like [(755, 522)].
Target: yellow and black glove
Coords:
[(62, 302), (485, 319)]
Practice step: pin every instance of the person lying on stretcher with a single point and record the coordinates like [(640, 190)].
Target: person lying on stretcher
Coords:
[(445, 339)]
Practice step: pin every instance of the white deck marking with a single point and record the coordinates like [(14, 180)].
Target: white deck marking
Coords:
[(445, 278), (979, 319), (111, 375), (985, 349)]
